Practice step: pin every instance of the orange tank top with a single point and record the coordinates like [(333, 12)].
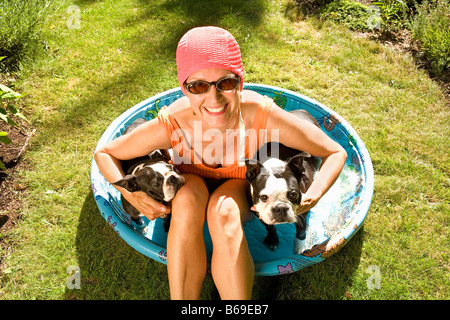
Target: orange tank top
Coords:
[(192, 163)]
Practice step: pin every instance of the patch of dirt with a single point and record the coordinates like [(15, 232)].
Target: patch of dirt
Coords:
[(11, 191)]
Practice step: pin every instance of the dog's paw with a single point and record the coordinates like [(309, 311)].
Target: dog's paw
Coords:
[(299, 246), (142, 229), (272, 241), (140, 226)]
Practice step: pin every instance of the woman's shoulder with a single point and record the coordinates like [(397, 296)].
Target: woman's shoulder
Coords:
[(256, 100), (254, 103), (178, 106), (180, 112), (179, 109), (252, 97)]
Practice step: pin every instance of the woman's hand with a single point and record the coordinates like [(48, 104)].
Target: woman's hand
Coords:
[(307, 203), (146, 205), (309, 200)]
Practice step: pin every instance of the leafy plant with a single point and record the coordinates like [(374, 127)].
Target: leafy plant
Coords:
[(392, 13), (7, 112), (431, 27)]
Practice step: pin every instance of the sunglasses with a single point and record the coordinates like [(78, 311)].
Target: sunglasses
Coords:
[(200, 86)]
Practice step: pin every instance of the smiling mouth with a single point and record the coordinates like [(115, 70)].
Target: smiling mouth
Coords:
[(216, 111)]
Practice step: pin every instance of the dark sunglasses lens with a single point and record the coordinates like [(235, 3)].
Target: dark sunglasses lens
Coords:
[(198, 87), (227, 84)]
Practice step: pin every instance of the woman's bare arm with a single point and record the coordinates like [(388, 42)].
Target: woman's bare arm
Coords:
[(146, 138), (302, 135)]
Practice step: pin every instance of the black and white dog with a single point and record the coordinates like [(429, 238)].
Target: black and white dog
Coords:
[(277, 176), (152, 174)]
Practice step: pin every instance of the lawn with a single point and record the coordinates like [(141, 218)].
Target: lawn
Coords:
[(124, 52)]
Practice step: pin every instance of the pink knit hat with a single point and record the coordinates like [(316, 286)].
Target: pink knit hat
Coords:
[(208, 47)]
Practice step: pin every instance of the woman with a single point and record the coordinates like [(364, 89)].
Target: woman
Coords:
[(206, 130)]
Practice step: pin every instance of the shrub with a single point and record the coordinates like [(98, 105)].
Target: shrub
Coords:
[(311, 6), (431, 27), (354, 15)]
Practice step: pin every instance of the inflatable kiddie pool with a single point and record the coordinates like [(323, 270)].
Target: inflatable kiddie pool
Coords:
[(331, 223)]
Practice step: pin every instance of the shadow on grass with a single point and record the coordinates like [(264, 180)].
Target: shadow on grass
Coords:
[(327, 280), (111, 269)]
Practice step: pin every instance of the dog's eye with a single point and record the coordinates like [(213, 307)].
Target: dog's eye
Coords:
[(264, 198), (157, 184), (293, 195)]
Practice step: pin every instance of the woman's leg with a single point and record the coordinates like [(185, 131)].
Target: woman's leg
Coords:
[(186, 253), (232, 265)]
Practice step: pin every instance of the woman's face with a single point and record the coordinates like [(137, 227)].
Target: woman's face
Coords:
[(218, 109)]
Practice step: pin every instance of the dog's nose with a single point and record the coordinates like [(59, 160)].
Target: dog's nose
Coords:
[(280, 210)]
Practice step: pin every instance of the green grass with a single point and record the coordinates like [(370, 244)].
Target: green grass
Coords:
[(124, 52)]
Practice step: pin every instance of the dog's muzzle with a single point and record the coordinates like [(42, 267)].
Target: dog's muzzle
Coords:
[(171, 186), (282, 213)]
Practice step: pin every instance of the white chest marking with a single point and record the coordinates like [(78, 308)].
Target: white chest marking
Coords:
[(276, 188)]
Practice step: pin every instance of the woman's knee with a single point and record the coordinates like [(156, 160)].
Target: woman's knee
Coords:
[(190, 202), (224, 215)]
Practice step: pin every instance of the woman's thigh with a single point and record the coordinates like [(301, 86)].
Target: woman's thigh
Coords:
[(189, 204)]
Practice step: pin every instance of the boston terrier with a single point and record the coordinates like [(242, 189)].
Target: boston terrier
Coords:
[(277, 176), (152, 174)]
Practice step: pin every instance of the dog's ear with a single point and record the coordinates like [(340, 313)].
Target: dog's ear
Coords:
[(307, 177), (159, 155), (253, 169), (295, 163), (128, 182), (165, 154)]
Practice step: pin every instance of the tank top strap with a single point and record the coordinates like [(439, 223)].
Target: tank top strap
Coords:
[(267, 103), (262, 115), (167, 119)]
